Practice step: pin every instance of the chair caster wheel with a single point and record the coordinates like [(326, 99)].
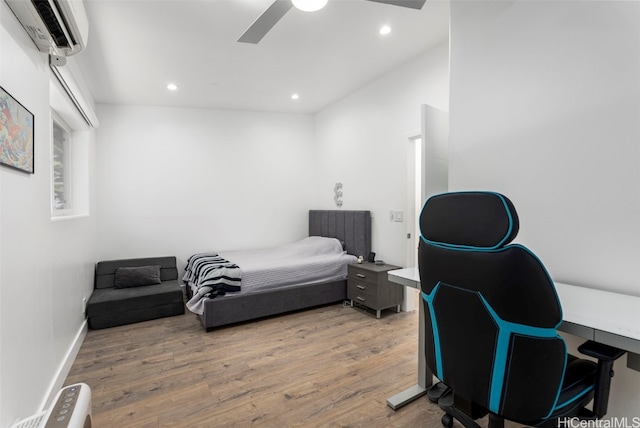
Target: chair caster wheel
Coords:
[(447, 420)]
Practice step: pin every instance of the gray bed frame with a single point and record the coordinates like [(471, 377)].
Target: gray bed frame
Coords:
[(351, 227)]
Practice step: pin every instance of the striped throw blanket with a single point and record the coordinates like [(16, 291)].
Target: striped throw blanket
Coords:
[(209, 276)]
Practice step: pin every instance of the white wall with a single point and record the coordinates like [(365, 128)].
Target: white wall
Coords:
[(45, 267), (178, 181), (363, 141), (175, 181), (545, 107)]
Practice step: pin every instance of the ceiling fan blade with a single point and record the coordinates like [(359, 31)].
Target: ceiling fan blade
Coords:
[(266, 21), (413, 4)]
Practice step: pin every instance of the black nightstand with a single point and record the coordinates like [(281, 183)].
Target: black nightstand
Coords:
[(368, 285)]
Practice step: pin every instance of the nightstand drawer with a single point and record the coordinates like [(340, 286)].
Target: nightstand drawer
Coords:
[(368, 301), (361, 287), (361, 274)]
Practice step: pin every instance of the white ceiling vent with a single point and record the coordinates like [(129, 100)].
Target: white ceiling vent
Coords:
[(57, 27)]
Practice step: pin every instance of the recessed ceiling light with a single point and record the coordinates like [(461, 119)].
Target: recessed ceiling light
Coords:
[(309, 5), (172, 87), (295, 96), (384, 30)]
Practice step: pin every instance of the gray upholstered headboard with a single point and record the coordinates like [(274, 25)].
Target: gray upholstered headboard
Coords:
[(351, 227)]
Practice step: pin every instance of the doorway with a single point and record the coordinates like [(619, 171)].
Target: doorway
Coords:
[(413, 207), (414, 198), (427, 175)]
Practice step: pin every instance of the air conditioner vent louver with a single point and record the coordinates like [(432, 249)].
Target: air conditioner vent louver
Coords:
[(48, 15)]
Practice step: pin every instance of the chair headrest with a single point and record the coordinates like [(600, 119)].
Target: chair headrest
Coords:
[(469, 220)]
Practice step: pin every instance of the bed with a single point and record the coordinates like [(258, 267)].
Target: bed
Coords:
[(351, 229)]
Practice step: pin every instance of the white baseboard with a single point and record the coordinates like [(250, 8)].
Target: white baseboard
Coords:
[(65, 367)]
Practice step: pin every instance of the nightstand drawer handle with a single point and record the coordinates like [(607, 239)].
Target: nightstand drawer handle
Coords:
[(361, 287), (360, 298), (359, 275)]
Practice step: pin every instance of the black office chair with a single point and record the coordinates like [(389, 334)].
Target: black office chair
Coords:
[(491, 313)]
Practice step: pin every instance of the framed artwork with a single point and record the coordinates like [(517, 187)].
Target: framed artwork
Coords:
[(16, 134)]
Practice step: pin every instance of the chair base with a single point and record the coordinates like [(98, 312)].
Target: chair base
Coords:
[(446, 403)]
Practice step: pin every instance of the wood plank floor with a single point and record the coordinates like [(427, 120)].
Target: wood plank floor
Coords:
[(332, 366)]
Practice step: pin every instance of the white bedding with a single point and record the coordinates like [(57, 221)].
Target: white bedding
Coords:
[(311, 260)]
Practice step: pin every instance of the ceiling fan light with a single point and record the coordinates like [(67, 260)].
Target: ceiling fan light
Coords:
[(309, 5)]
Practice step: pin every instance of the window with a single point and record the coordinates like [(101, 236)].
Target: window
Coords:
[(70, 160), (61, 168)]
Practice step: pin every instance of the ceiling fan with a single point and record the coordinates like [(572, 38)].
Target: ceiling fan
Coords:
[(279, 8)]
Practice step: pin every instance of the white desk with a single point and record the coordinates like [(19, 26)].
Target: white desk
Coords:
[(601, 316)]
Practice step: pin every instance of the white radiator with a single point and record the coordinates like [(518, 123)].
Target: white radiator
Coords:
[(70, 409)]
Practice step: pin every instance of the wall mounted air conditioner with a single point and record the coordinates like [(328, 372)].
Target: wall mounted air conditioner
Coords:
[(70, 409), (57, 27)]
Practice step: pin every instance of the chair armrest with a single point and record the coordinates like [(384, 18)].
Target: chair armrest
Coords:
[(600, 351), (605, 355)]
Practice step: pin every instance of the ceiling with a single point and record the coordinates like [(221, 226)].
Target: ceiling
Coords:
[(135, 48)]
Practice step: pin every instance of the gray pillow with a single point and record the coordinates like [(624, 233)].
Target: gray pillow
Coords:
[(137, 276)]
